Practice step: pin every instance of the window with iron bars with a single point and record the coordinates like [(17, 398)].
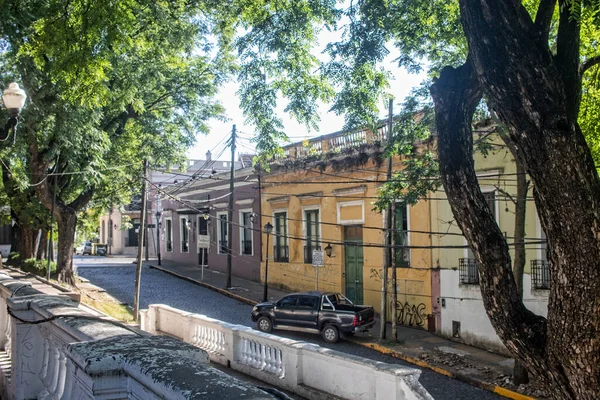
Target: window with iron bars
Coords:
[(222, 234), (280, 248), (402, 256), (540, 274), (312, 234), (467, 269)]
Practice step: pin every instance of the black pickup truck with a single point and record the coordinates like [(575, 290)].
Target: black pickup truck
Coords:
[(329, 314)]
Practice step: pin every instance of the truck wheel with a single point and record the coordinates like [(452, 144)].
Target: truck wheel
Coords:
[(264, 324), (330, 334)]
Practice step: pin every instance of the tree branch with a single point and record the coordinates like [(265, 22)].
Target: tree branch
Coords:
[(543, 19), (589, 63), (567, 56)]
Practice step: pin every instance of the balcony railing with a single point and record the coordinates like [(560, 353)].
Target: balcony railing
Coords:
[(223, 247), (308, 253), (468, 274), (247, 247), (335, 142), (280, 253), (540, 274)]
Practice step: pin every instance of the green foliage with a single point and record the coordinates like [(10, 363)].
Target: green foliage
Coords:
[(419, 172), (88, 224), (276, 60), (13, 256), (38, 267)]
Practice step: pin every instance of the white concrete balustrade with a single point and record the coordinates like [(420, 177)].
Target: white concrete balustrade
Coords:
[(308, 370), (83, 356)]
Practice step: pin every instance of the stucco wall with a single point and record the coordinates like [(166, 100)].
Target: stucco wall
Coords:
[(347, 203), (463, 303)]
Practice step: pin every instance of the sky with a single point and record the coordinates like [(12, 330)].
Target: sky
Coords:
[(400, 86)]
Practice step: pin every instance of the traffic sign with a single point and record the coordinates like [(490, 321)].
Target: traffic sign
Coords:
[(317, 258)]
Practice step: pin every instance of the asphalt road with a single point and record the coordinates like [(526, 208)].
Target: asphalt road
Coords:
[(117, 275)]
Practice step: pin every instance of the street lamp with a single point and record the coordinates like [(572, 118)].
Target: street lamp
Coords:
[(14, 100), (158, 215), (328, 250), (268, 230)]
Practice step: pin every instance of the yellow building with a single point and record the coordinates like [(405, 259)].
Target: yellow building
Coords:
[(320, 195), (457, 293)]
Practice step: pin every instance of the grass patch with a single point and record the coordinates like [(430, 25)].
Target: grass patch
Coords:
[(108, 307)]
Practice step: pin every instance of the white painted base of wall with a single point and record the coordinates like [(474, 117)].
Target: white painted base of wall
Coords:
[(463, 303)]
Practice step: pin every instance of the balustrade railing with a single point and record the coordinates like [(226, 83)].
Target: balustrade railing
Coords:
[(78, 353), (306, 369), (336, 142)]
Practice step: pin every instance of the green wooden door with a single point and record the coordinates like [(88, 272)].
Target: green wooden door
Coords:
[(354, 261)]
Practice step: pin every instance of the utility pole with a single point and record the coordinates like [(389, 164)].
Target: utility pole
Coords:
[(50, 254), (230, 211), (388, 226), (138, 270)]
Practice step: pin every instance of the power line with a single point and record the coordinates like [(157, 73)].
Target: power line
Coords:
[(335, 241)]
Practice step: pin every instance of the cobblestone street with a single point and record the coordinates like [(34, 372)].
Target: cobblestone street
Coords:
[(117, 275)]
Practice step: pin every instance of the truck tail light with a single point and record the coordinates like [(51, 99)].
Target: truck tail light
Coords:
[(355, 321)]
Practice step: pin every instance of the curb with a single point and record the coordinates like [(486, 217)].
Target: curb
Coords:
[(206, 285), (374, 346), (459, 377)]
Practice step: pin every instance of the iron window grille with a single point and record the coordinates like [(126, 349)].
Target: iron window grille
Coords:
[(540, 274), (280, 253), (223, 247), (247, 247), (468, 274)]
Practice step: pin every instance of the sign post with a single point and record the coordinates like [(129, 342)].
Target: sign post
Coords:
[(317, 261)]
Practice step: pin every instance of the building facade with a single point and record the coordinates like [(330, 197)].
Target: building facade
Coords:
[(195, 227), (119, 226), (462, 316), (320, 195)]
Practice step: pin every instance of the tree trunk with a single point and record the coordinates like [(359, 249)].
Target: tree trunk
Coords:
[(530, 91), (456, 94), (43, 247), (67, 223), (27, 237), (520, 374)]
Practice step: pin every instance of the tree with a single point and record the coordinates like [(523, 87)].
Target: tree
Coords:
[(109, 84), (537, 95), (528, 60)]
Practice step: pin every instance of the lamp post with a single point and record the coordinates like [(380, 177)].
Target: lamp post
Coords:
[(268, 230), (14, 100), (328, 250), (158, 215)]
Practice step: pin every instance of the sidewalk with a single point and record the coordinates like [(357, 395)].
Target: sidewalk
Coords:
[(417, 346)]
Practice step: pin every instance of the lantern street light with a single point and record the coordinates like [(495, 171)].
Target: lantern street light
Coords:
[(328, 250), (14, 100), (268, 230)]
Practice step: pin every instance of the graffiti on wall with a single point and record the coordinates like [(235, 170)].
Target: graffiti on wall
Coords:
[(411, 314), (377, 274)]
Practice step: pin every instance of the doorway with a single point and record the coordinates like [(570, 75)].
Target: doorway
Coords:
[(353, 263)]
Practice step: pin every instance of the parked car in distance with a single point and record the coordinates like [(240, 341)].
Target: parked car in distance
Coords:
[(87, 248), (329, 314), (79, 249)]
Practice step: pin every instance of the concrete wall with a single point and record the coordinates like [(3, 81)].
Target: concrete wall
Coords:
[(305, 369), (463, 304), (89, 357)]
